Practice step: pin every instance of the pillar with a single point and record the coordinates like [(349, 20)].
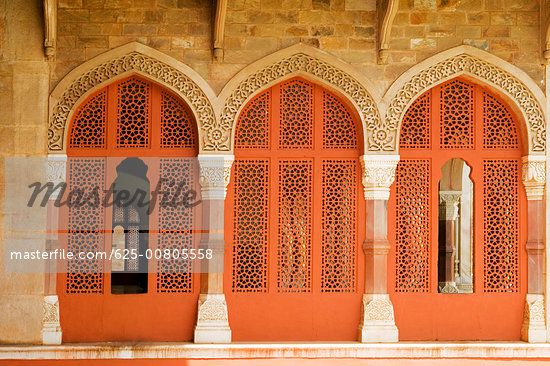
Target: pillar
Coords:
[(448, 224), (533, 329), (56, 171), (212, 316), (377, 318)]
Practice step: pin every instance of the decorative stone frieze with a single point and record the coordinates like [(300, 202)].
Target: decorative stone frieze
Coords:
[(454, 66), (534, 176), (378, 175), (448, 203), (377, 319), (215, 172), (51, 328), (212, 320), (533, 329), (212, 136)]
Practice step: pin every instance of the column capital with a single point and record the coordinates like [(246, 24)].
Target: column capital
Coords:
[(378, 175), (56, 172), (215, 171), (534, 176), (51, 329), (449, 200)]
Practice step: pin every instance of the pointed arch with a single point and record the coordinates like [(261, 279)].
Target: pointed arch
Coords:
[(309, 63), (514, 85), (132, 58)]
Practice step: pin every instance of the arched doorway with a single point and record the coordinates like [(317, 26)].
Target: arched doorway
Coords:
[(458, 218), (139, 136), (294, 214)]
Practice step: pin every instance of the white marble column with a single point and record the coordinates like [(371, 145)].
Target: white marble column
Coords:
[(533, 329), (212, 320), (377, 318), (51, 327)]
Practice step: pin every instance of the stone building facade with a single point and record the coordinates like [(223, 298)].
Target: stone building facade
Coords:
[(218, 57)]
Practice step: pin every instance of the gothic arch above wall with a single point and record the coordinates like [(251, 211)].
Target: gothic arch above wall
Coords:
[(305, 61), (140, 59), (514, 84)]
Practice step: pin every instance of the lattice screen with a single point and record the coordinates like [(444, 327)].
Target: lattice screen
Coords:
[(176, 123), (339, 225), (337, 124), (133, 114), (88, 127), (250, 234), (416, 127), (413, 225), (501, 225), (457, 116), (85, 226), (253, 127), (499, 129), (176, 226), (296, 125)]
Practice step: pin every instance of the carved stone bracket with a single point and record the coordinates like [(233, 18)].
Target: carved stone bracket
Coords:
[(545, 29), (51, 328), (448, 202), (50, 28), (386, 12), (377, 319), (533, 329), (534, 176), (56, 172), (215, 174), (378, 175), (219, 29), (212, 320)]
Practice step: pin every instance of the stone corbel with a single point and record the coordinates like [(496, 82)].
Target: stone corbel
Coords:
[(51, 329), (534, 176), (545, 30), (219, 29), (386, 13), (56, 172), (378, 175), (215, 171), (50, 28)]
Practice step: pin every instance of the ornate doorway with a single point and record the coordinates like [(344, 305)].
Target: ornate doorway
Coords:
[(295, 208), (458, 218)]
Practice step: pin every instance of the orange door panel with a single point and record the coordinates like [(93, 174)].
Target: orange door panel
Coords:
[(294, 211), (458, 120)]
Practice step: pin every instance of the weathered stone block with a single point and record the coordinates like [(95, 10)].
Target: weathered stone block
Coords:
[(73, 15), (479, 43), (452, 18), (365, 5), (92, 41), (296, 31), (504, 45), (140, 29), (62, 4), (333, 43), (503, 18), (423, 44), (482, 18), (103, 16), (496, 31), (468, 31), (366, 32), (524, 31), (322, 31)]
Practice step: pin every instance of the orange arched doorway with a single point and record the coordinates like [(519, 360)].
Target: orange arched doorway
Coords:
[(457, 268), (295, 218), (131, 122)]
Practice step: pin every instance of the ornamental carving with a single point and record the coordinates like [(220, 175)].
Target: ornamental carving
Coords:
[(214, 137), (378, 175), (534, 176), (448, 203), (534, 310), (377, 310), (50, 311), (212, 308), (215, 174), (308, 64), (56, 169), (451, 67)]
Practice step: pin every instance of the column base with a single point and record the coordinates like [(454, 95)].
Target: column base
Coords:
[(377, 320), (533, 329), (51, 329), (212, 320)]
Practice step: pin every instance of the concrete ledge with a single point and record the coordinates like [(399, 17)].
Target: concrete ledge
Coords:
[(402, 350)]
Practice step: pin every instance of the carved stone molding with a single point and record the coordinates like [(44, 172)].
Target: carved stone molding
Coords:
[(213, 136), (386, 12), (377, 319), (533, 329), (448, 203), (335, 77), (454, 66), (51, 328), (215, 172), (534, 176), (378, 175), (50, 28), (212, 320)]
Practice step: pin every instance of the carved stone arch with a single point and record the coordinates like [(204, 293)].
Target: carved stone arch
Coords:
[(132, 58), (298, 60), (515, 86)]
